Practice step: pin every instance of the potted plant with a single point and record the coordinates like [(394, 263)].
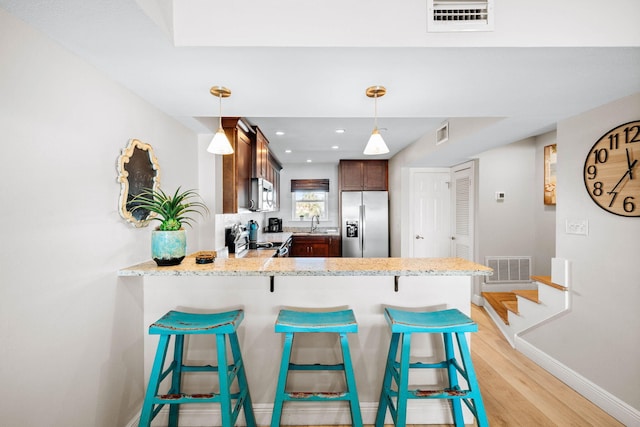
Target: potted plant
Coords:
[(169, 240)]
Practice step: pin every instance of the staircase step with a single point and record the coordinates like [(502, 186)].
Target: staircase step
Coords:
[(497, 300), (511, 306), (531, 295)]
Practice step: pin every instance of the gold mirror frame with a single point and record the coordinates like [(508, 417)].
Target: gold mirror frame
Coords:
[(137, 169)]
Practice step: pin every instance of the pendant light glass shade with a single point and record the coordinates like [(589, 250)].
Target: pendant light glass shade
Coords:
[(220, 143), (376, 144)]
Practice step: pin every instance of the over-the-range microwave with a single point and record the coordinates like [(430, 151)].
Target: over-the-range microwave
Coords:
[(262, 196)]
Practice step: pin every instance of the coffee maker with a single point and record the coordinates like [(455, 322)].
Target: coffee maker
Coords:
[(274, 225)]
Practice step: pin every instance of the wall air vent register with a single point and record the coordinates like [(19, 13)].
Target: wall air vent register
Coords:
[(508, 269), (459, 15)]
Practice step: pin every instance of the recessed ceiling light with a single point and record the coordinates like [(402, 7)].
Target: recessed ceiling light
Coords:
[(339, 130), (279, 133), (309, 160), (334, 147), (287, 151)]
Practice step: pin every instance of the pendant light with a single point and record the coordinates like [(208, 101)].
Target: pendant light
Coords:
[(376, 144), (220, 143)]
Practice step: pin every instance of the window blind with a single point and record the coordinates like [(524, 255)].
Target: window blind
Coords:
[(309, 185)]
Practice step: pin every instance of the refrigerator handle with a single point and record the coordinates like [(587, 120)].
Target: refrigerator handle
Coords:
[(363, 222)]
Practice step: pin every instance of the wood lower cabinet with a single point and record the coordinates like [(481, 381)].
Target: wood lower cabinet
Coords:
[(364, 175), (315, 246)]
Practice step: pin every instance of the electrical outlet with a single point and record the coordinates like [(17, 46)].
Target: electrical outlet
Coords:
[(577, 226)]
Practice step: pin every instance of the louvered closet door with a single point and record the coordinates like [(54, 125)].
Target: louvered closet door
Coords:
[(463, 211)]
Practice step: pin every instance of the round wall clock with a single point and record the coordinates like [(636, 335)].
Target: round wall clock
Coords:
[(612, 170)]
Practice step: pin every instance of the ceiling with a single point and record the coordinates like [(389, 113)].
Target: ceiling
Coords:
[(286, 80)]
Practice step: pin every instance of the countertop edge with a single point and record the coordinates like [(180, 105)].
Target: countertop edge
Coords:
[(135, 273), (315, 267)]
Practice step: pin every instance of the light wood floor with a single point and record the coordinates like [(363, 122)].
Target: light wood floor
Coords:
[(517, 392)]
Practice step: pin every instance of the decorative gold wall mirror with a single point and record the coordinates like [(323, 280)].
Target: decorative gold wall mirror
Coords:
[(137, 169)]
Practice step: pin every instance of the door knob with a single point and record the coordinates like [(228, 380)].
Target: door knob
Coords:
[(419, 237), (453, 237)]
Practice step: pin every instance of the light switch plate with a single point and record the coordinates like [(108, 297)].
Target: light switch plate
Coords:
[(577, 226)]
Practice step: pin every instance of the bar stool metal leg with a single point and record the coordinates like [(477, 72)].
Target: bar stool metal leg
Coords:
[(356, 416), (245, 397), (403, 383), (154, 382), (282, 380), (385, 399), (223, 378), (452, 372), (176, 376), (475, 403)]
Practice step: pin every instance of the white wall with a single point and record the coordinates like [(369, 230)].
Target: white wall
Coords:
[(544, 216), (71, 331), (598, 338), (506, 228), (308, 171)]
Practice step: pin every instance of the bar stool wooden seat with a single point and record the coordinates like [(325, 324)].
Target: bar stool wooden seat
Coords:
[(291, 322), (449, 323), (179, 324)]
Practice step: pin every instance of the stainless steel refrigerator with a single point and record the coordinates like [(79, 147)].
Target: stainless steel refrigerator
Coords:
[(365, 224)]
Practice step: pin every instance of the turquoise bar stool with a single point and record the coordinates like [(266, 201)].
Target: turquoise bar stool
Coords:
[(292, 322), (449, 323), (179, 324)]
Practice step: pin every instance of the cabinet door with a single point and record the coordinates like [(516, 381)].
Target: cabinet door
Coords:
[(310, 246), (375, 175), (261, 158), (243, 186), (351, 175), (236, 169), (334, 246)]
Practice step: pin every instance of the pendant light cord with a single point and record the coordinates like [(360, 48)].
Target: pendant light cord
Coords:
[(220, 111), (375, 110)]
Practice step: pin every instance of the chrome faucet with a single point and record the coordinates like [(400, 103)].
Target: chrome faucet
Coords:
[(317, 222)]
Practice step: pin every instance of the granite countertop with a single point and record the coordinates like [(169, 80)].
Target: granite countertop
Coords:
[(261, 266), (256, 253)]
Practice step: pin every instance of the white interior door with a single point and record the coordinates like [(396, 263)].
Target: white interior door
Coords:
[(431, 213), (463, 192)]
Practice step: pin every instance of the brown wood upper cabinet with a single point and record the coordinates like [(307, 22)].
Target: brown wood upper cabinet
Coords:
[(364, 175), (250, 159), (237, 167), (273, 176), (261, 156)]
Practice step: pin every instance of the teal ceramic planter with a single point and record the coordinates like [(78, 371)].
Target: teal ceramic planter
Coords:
[(168, 247)]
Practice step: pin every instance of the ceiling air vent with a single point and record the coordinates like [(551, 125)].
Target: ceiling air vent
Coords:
[(442, 133), (456, 15)]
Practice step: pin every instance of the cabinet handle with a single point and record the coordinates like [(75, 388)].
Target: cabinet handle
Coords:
[(419, 237)]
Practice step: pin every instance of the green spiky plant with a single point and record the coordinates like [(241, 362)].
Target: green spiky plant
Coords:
[(171, 211)]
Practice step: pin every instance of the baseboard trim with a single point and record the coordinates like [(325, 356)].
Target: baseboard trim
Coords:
[(609, 403), (418, 412)]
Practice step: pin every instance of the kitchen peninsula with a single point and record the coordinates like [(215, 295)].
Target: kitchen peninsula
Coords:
[(262, 286)]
